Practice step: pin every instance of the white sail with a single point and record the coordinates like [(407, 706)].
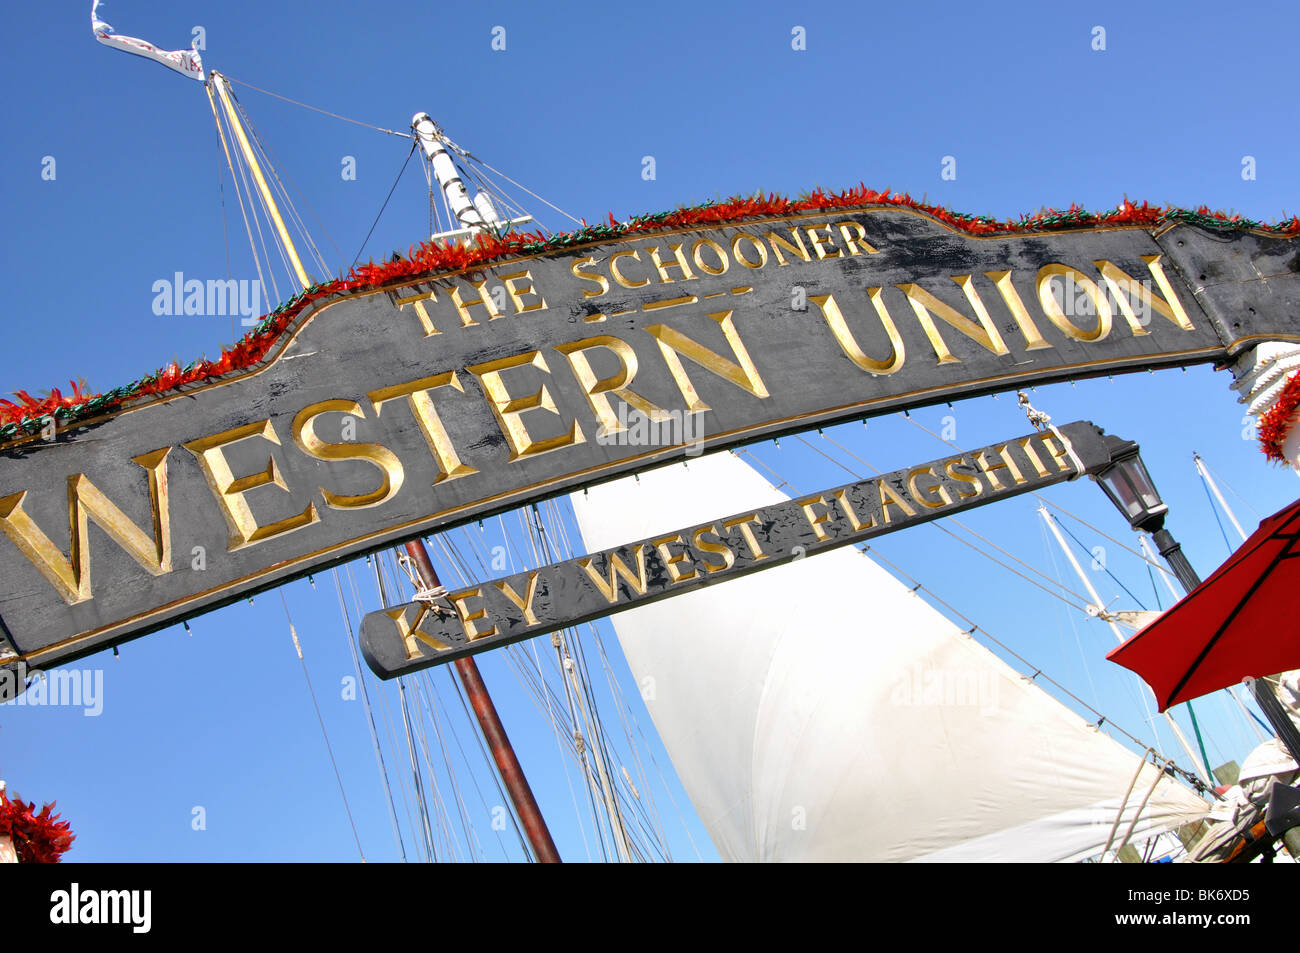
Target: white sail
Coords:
[(821, 711)]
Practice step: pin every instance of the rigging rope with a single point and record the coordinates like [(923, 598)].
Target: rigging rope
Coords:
[(370, 716), (257, 261), (272, 164), (1104, 567), (1215, 510), (225, 231), (358, 122), (473, 158), (1245, 502), (267, 157), (324, 734), (400, 173)]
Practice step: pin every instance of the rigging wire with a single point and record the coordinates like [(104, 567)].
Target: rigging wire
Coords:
[(624, 710), (1104, 567), (416, 840), (370, 716), (225, 230), (358, 122), (458, 567), (417, 779), (1215, 510), (473, 158), (324, 734), (287, 199), (1218, 479), (272, 163), (400, 173), (234, 179), (257, 222), (1044, 534)]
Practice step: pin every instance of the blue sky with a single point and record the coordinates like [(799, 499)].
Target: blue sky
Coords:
[(1032, 114)]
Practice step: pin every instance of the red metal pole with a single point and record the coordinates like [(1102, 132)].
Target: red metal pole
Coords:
[(495, 733)]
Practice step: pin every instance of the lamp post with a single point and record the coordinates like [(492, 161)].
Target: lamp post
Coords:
[(1128, 484)]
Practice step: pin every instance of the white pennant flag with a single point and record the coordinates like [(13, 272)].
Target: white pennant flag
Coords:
[(185, 62)]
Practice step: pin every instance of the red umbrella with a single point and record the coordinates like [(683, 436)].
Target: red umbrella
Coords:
[(1239, 623)]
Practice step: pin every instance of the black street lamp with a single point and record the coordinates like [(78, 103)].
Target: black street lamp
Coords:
[(1128, 484)]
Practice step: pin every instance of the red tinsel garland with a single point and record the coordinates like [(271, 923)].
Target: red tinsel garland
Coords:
[(431, 257), (38, 837), (1276, 424)]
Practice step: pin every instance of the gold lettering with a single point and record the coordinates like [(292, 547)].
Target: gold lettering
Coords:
[(1052, 307), (1027, 445), (617, 569), (719, 548), (618, 275), (1016, 305), (857, 240), (778, 243), (822, 253), (676, 249), (717, 249), (383, 459), (849, 344), (743, 374), (412, 634), (426, 418), (923, 495), (1008, 464), (594, 277), (961, 471), (468, 619), (1059, 453), (985, 333), (743, 523), (758, 246), (517, 294), (70, 577), (421, 312), (526, 603), (509, 410), (855, 520), (891, 497), (463, 306), (1169, 306), (230, 490), (816, 520), (672, 560), (598, 390)]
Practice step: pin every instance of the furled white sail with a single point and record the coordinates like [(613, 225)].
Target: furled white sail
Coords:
[(821, 711)]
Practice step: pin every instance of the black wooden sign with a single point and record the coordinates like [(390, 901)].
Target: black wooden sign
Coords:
[(383, 415), (488, 615)]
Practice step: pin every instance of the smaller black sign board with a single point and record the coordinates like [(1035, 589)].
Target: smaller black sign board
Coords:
[(491, 614)]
